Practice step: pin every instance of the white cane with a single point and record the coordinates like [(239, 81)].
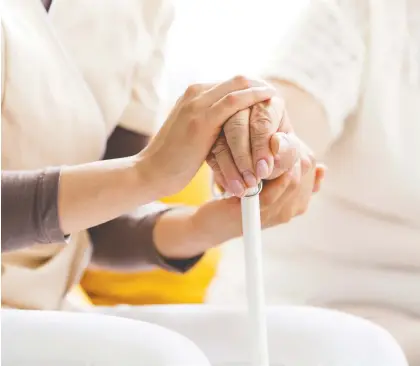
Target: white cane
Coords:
[(251, 228)]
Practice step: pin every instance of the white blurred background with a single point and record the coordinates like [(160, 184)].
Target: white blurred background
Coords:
[(216, 39)]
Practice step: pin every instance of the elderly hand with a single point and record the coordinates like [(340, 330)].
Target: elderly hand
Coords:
[(178, 150), (242, 155), (258, 143)]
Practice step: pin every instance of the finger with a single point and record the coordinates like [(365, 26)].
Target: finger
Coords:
[(273, 191), (304, 153), (236, 130), (285, 154), (217, 173), (285, 124), (218, 91), (280, 196), (285, 199), (227, 167), (319, 177), (264, 122), (232, 103), (195, 90)]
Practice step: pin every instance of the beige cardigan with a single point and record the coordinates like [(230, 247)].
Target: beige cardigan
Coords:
[(69, 78)]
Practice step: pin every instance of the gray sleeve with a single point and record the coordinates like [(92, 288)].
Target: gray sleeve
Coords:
[(29, 208), (127, 244)]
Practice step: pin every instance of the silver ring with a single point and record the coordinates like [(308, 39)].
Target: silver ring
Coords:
[(251, 192)]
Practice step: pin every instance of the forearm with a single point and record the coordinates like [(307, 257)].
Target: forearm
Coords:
[(94, 193), (307, 116), (176, 236), (167, 236)]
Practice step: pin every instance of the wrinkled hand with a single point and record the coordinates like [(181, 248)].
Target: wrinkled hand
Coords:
[(258, 143), (178, 150), (245, 152)]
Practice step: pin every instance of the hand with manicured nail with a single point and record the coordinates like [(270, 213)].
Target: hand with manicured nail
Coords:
[(178, 150), (249, 149), (258, 143)]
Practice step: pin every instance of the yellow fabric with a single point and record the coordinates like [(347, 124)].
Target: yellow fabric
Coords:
[(79, 296), (158, 286)]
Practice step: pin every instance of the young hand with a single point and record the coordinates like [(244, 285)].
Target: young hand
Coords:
[(178, 150)]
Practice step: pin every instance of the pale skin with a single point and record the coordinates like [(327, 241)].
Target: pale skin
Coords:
[(246, 150), (93, 193)]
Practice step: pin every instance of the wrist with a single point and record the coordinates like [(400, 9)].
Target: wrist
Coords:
[(216, 222), (175, 235), (148, 180)]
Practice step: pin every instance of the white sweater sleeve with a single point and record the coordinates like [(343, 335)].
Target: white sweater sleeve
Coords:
[(3, 65), (324, 55), (142, 112)]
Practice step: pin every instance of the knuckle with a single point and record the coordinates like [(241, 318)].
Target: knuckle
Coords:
[(272, 110), (195, 122), (235, 123), (242, 82), (193, 107), (260, 128), (260, 123), (231, 100), (193, 90), (194, 127), (242, 163), (261, 109), (259, 150), (220, 147), (212, 163)]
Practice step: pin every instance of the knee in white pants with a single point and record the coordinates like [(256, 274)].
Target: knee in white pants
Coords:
[(297, 335), (60, 338)]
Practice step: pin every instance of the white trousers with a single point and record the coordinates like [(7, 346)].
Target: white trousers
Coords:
[(298, 336), (47, 338)]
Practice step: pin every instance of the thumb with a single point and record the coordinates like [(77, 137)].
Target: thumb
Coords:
[(285, 152)]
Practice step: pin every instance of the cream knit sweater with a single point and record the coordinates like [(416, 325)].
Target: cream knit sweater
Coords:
[(358, 247)]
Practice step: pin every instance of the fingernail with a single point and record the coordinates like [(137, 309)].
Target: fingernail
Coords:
[(250, 179), (284, 142), (237, 188), (262, 169)]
